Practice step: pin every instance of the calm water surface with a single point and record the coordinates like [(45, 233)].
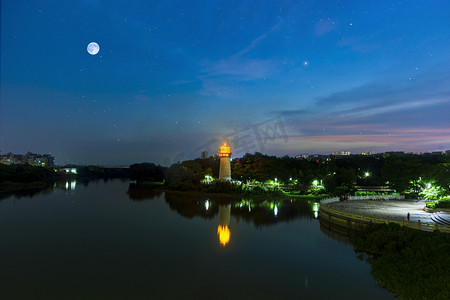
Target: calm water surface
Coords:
[(107, 240)]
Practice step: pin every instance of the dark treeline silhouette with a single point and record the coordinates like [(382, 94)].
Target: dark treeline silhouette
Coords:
[(102, 172), (147, 172), (403, 173), (25, 177), (25, 173)]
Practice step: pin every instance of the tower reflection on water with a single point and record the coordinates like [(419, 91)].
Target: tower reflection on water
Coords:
[(223, 230), (260, 212)]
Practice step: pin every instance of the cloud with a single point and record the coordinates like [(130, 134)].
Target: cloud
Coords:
[(390, 113), (258, 40), (238, 67), (409, 140), (361, 44), (430, 84), (324, 26), (391, 108), (293, 113), (359, 95)]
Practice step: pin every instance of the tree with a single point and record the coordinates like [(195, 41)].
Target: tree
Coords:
[(147, 172), (402, 173), (341, 182), (186, 175)]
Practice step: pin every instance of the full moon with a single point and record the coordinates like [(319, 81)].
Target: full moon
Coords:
[(93, 48)]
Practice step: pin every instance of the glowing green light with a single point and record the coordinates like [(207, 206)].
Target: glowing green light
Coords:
[(316, 207)]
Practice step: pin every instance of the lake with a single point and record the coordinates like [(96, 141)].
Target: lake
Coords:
[(110, 240)]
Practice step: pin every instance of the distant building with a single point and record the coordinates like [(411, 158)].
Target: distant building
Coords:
[(341, 153), (302, 156), (204, 154), (437, 153), (368, 153), (29, 158)]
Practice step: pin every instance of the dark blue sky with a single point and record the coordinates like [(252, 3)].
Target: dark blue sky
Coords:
[(280, 77)]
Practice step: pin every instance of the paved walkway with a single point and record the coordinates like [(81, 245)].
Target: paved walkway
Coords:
[(394, 209)]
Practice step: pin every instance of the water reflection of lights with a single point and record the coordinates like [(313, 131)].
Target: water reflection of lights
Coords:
[(72, 185), (275, 210), (223, 231), (207, 204), (316, 209), (224, 234)]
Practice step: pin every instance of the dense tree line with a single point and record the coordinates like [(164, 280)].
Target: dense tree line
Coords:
[(25, 173), (406, 173), (102, 172), (147, 172)]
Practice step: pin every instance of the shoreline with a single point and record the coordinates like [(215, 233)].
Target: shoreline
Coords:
[(11, 186), (257, 196)]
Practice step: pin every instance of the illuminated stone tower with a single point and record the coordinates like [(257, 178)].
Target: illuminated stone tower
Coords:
[(225, 168)]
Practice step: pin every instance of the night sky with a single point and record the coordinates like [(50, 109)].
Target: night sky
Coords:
[(173, 78)]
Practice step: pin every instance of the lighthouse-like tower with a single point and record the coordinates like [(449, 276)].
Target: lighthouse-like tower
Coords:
[(225, 168)]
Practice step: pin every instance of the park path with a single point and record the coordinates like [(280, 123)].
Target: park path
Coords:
[(394, 210)]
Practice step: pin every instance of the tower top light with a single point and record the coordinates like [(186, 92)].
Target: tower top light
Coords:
[(225, 150)]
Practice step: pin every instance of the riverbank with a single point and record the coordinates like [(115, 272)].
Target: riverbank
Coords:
[(10, 186)]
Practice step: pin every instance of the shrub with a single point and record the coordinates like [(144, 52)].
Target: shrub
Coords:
[(443, 203), (431, 204), (411, 263)]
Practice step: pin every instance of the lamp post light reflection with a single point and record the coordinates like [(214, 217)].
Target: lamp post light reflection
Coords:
[(316, 210)]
